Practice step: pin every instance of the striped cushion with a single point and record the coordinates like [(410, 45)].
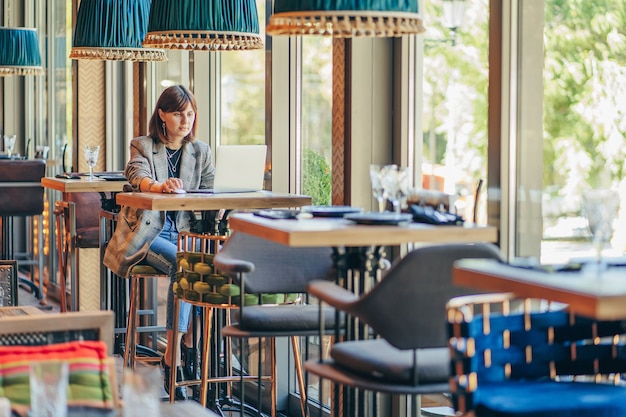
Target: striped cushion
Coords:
[(89, 384)]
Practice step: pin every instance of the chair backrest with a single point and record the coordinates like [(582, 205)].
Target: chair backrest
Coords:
[(21, 199), (490, 342), (408, 306), (8, 283), (272, 267), (87, 206)]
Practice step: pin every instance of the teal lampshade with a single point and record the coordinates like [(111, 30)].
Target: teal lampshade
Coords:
[(113, 30), (212, 25), (346, 18), (19, 52)]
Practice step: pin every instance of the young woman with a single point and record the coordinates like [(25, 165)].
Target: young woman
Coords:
[(168, 160)]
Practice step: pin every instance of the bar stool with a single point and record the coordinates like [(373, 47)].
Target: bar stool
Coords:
[(137, 273), (77, 224), (208, 290)]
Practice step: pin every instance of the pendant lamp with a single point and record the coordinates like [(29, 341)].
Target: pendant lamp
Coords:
[(19, 52), (113, 30), (345, 18), (210, 25)]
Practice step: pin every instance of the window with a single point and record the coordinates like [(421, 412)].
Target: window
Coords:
[(584, 127)]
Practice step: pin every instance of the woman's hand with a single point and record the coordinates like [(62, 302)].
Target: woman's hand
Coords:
[(172, 185)]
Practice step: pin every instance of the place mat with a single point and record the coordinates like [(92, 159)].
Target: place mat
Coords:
[(331, 211), (376, 218), (106, 177)]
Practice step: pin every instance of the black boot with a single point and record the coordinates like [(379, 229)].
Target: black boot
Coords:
[(181, 392), (189, 361)]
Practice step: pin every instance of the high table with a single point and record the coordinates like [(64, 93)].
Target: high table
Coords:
[(597, 295), (217, 201), (358, 248), (338, 231), (68, 186), (362, 244), (203, 202)]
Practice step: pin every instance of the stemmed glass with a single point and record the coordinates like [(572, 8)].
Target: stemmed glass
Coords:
[(600, 207), (9, 144), (377, 186), (91, 156), (395, 181)]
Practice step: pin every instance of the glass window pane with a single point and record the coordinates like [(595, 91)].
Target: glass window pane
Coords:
[(455, 105), (243, 94), (584, 128), (316, 132)]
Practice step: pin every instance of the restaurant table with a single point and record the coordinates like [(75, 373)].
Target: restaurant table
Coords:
[(206, 202), (16, 311), (597, 295), (216, 201), (356, 247), (82, 185)]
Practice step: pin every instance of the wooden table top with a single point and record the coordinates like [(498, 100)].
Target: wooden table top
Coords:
[(18, 311), (341, 232), (198, 201), (599, 296), (82, 185)]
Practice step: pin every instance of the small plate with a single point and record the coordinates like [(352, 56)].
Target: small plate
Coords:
[(375, 218), (331, 211)]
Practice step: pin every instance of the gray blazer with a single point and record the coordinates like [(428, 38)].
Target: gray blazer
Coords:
[(137, 228)]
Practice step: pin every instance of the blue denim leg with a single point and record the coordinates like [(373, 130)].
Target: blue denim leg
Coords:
[(162, 256)]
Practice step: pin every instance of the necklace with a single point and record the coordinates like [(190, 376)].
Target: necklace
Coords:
[(173, 158)]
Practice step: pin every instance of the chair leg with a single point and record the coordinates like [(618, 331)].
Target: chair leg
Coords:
[(299, 375), (274, 390), (206, 352), (62, 249), (131, 326), (174, 350)]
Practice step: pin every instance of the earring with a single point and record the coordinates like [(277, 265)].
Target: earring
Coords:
[(164, 131)]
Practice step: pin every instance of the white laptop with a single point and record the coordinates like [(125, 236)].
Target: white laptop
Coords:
[(238, 169)]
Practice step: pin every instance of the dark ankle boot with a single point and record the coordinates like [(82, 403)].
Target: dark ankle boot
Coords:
[(189, 359), (181, 392)]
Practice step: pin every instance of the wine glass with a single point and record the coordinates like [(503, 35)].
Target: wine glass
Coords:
[(395, 182), (600, 207), (9, 144), (377, 186), (91, 157)]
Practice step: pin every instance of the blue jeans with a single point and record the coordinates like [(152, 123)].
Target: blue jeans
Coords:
[(162, 256)]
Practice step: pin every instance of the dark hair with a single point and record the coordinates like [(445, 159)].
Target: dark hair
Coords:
[(174, 98)]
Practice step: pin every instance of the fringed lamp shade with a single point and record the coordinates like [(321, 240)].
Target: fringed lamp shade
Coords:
[(210, 25), (19, 52), (113, 30), (346, 18)]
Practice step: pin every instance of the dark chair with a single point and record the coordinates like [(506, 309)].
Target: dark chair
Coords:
[(406, 310), (21, 195), (77, 223), (533, 360), (263, 267)]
